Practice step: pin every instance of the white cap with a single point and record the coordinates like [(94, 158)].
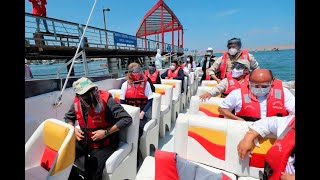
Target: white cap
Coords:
[(209, 49)]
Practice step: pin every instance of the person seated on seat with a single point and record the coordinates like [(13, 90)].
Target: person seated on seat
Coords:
[(184, 68), (174, 72), (136, 91), (263, 96), (191, 65), (224, 63), (239, 74), (100, 117), (153, 74), (279, 163)]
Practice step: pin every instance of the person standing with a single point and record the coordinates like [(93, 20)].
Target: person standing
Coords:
[(39, 9), (28, 73), (158, 61), (207, 61)]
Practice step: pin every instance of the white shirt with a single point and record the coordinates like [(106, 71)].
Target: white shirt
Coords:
[(158, 61), (186, 71), (274, 125), (147, 91), (234, 101)]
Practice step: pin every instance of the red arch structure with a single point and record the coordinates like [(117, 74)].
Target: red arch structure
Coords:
[(159, 20)]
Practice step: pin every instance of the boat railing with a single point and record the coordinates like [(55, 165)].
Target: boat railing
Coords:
[(67, 34)]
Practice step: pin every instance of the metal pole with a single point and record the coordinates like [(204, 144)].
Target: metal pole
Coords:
[(105, 28)]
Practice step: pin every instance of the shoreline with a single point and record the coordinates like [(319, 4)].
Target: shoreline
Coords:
[(265, 48)]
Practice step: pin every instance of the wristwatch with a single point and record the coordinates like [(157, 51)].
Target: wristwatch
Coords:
[(107, 132)]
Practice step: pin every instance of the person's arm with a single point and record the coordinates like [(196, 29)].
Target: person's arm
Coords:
[(149, 94), (120, 115), (253, 63), (214, 68), (70, 118), (228, 104), (220, 88), (164, 75), (180, 75), (151, 85)]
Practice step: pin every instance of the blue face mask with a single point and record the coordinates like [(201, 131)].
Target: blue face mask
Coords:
[(259, 92)]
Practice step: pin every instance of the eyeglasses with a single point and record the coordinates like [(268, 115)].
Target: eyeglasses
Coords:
[(260, 85), (135, 70)]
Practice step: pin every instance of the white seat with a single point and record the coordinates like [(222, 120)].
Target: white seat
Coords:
[(209, 83), (213, 142), (151, 128), (50, 151), (176, 96), (197, 78), (125, 157), (166, 92), (190, 87), (206, 108), (183, 102)]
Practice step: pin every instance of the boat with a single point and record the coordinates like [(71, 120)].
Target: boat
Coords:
[(44, 113)]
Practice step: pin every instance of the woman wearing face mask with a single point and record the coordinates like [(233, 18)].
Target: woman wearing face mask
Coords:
[(239, 75), (136, 91), (224, 63), (263, 96), (153, 74), (190, 64), (174, 72)]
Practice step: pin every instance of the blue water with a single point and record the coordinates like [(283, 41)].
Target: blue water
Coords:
[(281, 63)]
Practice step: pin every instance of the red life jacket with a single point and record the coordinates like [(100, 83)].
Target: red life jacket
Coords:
[(174, 74), (153, 77), (275, 102), (135, 95), (182, 65), (234, 83), (95, 121), (223, 65), (279, 153)]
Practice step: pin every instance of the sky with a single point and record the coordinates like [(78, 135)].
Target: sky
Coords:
[(207, 23)]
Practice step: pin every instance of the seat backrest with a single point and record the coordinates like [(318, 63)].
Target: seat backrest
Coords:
[(191, 78), (198, 72), (213, 141), (166, 92), (185, 84), (176, 84), (130, 134), (52, 146), (203, 89), (208, 107), (115, 94), (209, 83), (156, 106)]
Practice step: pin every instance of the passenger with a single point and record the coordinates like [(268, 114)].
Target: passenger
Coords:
[(207, 61), (239, 74), (191, 65), (136, 91), (27, 70), (279, 163), (224, 63), (100, 118), (184, 68), (263, 96), (153, 74), (174, 72)]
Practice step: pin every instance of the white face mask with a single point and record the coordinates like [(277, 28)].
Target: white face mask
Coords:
[(233, 51), (209, 53), (172, 67), (260, 91), (236, 73), (188, 59)]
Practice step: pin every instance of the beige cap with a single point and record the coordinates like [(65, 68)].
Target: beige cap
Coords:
[(244, 62), (82, 85)]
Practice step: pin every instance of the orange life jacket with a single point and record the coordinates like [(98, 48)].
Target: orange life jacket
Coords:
[(135, 95), (234, 83), (95, 121), (153, 77), (174, 74), (223, 65), (275, 102), (279, 153)]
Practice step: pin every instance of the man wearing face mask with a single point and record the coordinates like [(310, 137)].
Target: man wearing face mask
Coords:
[(224, 63), (174, 72), (207, 62), (153, 74), (99, 117), (239, 74), (263, 96)]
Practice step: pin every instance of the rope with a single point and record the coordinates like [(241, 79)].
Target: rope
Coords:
[(58, 102)]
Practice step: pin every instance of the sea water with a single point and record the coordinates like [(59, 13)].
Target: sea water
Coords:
[(282, 64)]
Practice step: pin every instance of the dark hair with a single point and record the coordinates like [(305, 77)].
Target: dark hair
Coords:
[(272, 77), (234, 41), (175, 61), (191, 58)]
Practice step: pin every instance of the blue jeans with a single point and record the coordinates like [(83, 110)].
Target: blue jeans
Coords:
[(44, 23)]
